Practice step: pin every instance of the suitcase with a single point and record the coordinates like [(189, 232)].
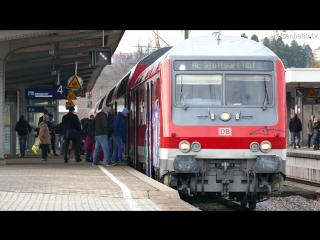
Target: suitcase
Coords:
[(101, 152)]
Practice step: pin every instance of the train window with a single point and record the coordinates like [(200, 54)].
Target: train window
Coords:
[(101, 103), (197, 90), (249, 90)]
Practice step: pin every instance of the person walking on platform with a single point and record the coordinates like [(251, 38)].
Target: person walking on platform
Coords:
[(295, 128), (316, 126), (119, 135), (87, 147), (44, 137), (310, 130), (71, 121), (110, 118), (23, 128), (101, 137), (52, 130)]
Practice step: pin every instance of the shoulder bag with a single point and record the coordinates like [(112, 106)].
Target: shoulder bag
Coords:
[(72, 133)]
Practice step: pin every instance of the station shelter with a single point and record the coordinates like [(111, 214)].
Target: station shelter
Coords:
[(303, 97)]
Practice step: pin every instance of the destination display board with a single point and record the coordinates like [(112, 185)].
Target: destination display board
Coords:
[(226, 65)]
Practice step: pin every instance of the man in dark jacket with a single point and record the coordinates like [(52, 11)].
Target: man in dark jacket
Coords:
[(295, 128), (110, 118), (71, 121), (23, 128), (119, 135), (101, 137)]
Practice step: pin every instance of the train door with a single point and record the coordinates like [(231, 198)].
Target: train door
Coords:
[(132, 120), (148, 132), (137, 123), (127, 143), (156, 129)]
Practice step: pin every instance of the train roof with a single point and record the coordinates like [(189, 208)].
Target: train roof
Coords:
[(216, 45), (127, 82), (226, 46)]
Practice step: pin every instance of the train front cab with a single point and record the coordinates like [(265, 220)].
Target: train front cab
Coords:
[(231, 148)]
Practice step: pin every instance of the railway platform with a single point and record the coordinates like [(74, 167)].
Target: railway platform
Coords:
[(303, 163), (29, 184)]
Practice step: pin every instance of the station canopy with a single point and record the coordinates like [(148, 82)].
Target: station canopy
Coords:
[(44, 57)]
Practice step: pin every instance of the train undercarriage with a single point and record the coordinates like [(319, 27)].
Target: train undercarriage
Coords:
[(246, 181)]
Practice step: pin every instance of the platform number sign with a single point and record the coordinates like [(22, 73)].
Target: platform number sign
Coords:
[(59, 92)]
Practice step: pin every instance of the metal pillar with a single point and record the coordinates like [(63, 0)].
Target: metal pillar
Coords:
[(4, 51), (289, 107)]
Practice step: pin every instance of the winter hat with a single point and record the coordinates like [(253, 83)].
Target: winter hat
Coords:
[(125, 111)]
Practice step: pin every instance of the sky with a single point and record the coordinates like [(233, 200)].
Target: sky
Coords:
[(172, 37)]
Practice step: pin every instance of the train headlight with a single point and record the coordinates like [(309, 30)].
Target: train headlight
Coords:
[(225, 116), (195, 146), (254, 146), (265, 146), (184, 146)]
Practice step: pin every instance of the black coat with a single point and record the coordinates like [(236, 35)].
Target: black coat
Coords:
[(295, 125), (100, 124), (316, 127), (74, 123), (22, 127)]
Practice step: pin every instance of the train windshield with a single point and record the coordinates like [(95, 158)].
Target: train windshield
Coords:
[(198, 89), (240, 89), (249, 90)]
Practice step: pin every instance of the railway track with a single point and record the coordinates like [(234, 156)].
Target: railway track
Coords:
[(302, 181), (214, 203), (305, 182)]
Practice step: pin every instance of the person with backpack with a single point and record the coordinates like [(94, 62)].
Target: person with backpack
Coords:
[(89, 130), (71, 121), (23, 128)]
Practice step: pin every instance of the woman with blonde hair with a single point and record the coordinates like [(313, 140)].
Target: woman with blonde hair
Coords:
[(315, 136), (44, 137)]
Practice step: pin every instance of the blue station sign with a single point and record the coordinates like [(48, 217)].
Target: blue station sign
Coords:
[(38, 93), (35, 108), (59, 92)]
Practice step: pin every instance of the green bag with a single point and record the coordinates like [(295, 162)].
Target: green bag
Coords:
[(36, 149)]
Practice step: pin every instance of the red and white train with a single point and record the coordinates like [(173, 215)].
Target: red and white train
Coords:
[(207, 116)]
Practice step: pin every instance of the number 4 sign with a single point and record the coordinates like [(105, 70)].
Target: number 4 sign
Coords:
[(59, 92)]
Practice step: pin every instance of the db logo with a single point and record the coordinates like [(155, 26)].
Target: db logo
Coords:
[(225, 131)]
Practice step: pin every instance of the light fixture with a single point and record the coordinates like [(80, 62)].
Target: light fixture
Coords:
[(182, 67), (265, 146), (254, 146), (225, 116), (184, 146), (195, 146)]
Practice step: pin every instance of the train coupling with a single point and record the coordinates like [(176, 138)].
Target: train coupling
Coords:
[(225, 191)]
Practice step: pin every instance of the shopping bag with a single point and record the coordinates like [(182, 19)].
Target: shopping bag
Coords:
[(37, 142), (36, 149)]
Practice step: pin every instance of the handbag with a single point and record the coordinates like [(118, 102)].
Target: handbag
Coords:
[(36, 149), (72, 133)]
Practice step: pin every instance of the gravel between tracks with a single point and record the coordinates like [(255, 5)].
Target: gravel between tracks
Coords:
[(290, 203)]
